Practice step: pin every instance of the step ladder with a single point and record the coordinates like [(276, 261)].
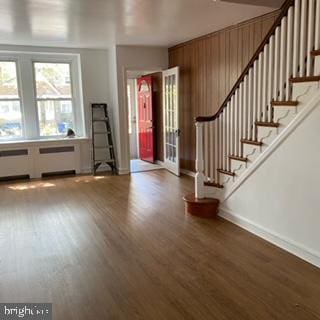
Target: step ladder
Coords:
[(102, 142)]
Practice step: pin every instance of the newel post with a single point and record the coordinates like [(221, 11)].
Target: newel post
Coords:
[(199, 179)]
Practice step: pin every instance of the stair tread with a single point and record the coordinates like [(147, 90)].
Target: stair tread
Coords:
[(315, 52), (213, 184), (284, 103), (229, 173), (305, 79), (238, 158), (253, 142), (267, 124)]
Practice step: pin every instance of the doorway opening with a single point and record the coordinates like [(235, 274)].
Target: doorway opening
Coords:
[(145, 126)]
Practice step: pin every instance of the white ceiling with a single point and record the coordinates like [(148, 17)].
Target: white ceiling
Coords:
[(101, 23)]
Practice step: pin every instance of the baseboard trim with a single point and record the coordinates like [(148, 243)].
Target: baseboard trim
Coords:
[(289, 245), (160, 163), (188, 173), (122, 171)]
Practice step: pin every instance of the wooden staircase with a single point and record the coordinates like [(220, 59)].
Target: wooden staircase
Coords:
[(278, 82)]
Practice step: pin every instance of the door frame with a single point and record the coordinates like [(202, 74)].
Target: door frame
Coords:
[(149, 80), (125, 129)]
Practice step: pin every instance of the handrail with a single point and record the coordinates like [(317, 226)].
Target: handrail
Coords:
[(284, 10)]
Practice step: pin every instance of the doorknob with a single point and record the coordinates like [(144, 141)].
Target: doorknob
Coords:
[(178, 132)]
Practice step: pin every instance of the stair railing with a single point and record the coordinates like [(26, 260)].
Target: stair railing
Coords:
[(283, 54)]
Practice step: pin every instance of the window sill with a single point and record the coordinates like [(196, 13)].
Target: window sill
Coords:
[(15, 143)]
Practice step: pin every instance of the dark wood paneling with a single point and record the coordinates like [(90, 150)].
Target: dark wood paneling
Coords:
[(210, 66)]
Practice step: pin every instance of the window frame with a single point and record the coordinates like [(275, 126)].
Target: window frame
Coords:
[(53, 99), (6, 59), (28, 96)]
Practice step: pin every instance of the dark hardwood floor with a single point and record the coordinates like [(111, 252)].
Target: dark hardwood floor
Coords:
[(121, 247)]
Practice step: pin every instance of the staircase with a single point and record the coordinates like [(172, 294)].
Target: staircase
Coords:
[(280, 80)]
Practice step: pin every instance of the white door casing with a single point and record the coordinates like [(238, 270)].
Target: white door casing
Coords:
[(171, 130)]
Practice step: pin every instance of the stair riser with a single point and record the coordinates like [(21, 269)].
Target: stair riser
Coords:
[(251, 152), (302, 91), (267, 135), (284, 115), (225, 179), (238, 167)]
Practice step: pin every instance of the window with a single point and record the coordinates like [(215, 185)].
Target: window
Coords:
[(10, 109), (40, 96), (54, 98)]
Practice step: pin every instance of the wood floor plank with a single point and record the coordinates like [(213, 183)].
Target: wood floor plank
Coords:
[(121, 247)]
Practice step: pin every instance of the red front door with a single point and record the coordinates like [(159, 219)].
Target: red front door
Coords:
[(146, 120)]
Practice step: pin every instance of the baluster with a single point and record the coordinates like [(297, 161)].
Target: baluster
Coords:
[(276, 64), (240, 115), (212, 149), (283, 44), (250, 104), (229, 133), (310, 41), (245, 108), (269, 114), (296, 38), (225, 140), (317, 27), (265, 83), (236, 122), (303, 29), (206, 150), (232, 123), (221, 141), (260, 79), (289, 52), (199, 178), (255, 99), (216, 152)]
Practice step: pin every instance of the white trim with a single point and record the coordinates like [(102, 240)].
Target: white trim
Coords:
[(27, 88), (160, 163), (123, 112), (188, 173), (25, 143), (275, 145), (123, 171), (287, 244)]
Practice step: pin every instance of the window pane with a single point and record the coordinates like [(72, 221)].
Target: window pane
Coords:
[(55, 117), (53, 80), (8, 80), (10, 119)]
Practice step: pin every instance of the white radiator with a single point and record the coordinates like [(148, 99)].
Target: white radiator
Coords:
[(37, 159)]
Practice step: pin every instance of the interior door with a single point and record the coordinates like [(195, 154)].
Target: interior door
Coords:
[(146, 120), (171, 120)]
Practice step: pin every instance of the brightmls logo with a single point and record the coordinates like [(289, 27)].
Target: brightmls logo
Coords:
[(26, 311)]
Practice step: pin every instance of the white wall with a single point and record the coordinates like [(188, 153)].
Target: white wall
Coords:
[(103, 79), (98, 82), (280, 201), (133, 58)]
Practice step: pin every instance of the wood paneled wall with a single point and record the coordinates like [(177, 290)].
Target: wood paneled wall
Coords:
[(209, 68)]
